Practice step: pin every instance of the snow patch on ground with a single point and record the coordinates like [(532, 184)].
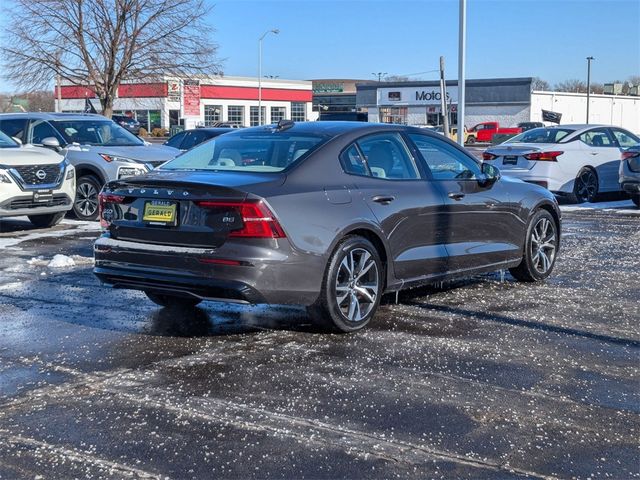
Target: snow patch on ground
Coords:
[(77, 226), (626, 207), (60, 261)]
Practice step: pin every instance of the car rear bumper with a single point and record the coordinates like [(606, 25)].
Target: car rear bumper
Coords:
[(277, 276), (632, 187)]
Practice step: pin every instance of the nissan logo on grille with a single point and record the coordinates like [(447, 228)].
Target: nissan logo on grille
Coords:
[(41, 174)]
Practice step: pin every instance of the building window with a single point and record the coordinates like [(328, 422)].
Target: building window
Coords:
[(277, 114), (298, 111), (235, 114), (253, 116), (212, 114), (143, 117), (394, 115)]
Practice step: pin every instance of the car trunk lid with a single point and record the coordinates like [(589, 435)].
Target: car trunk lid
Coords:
[(511, 156), (194, 209)]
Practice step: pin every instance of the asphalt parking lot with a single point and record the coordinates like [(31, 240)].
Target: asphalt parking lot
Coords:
[(482, 378)]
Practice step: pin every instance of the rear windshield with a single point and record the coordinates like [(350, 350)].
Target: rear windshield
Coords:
[(96, 132), (541, 135), (7, 142), (248, 152)]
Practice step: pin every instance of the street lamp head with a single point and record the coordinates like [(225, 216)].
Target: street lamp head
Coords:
[(276, 31), (590, 58)]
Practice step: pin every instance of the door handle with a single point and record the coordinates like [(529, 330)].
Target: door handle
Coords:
[(383, 199), (456, 195), (593, 153)]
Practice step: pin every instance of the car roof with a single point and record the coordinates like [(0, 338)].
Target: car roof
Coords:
[(330, 128), (53, 116)]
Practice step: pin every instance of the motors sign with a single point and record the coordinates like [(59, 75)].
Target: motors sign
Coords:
[(415, 96)]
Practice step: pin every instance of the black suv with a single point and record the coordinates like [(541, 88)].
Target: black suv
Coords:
[(128, 123)]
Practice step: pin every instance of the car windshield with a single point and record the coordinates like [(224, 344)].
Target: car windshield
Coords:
[(7, 142), (541, 135), (96, 132), (248, 152)]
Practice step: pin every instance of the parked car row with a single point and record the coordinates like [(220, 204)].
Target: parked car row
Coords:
[(574, 161), (98, 148)]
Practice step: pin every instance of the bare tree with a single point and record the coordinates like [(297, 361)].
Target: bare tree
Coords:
[(540, 84), (596, 87), (573, 85), (101, 43)]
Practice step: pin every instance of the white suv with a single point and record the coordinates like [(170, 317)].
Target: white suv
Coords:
[(34, 181)]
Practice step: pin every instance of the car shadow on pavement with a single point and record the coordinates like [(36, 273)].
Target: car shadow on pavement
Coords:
[(493, 317), (202, 322)]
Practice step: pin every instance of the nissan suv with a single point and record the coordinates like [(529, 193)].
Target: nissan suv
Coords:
[(100, 149), (35, 182)]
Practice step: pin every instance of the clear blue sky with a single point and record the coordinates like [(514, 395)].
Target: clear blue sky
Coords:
[(505, 38), (352, 38)]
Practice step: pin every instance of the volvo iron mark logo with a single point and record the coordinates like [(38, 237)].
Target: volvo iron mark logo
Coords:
[(41, 174)]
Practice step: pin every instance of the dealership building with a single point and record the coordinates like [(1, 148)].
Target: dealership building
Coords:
[(202, 101), (505, 100)]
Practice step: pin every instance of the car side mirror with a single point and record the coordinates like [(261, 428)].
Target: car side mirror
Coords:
[(490, 174), (52, 143), (17, 140)]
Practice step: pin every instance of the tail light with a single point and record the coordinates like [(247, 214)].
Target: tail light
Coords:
[(105, 213), (543, 156), (633, 159), (488, 156), (257, 219)]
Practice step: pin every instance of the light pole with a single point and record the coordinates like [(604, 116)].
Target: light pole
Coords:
[(462, 32), (274, 31), (379, 75), (588, 84)]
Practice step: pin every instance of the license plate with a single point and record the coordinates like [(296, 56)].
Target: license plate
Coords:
[(158, 211), (43, 196), (510, 160)]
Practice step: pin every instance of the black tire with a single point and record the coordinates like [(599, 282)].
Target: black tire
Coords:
[(535, 266), (585, 186), (636, 200), (471, 140), (172, 301), (46, 220), (85, 205), (354, 268)]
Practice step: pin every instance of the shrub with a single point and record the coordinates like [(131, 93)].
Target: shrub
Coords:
[(143, 132), (159, 132)]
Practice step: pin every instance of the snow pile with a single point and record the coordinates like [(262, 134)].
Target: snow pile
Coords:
[(61, 261), (626, 207)]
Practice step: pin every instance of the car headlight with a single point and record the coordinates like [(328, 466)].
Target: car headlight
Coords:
[(130, 171), (4, 177), (114, 158)]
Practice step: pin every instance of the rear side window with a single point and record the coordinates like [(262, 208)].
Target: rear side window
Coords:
[(387, 156), (597, 138), (15, 128), (352, 162)]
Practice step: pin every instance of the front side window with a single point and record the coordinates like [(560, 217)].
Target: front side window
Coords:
[(235, 114), (176, 140), (95, 132), (265, 151), (387, 156), (277, 114), (598, 137), (625, 139), (445, 161), (41, 130)]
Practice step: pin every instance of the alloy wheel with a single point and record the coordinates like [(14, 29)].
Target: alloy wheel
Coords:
[(586, 186), (543, 245), (357, 284), (86, 199)]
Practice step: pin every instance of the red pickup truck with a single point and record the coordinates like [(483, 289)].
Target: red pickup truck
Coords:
[(486, 130)]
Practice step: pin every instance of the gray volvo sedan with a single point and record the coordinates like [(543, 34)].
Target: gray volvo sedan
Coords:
[(331, 215)]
